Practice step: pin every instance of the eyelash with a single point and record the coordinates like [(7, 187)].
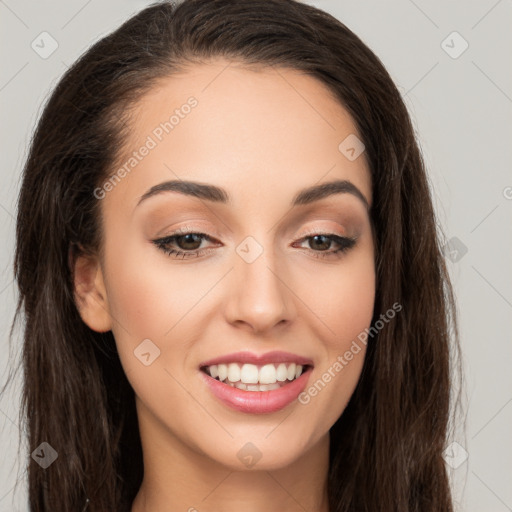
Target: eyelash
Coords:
[(344, 243)]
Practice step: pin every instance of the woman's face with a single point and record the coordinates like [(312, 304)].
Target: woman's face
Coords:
[(254, 279)]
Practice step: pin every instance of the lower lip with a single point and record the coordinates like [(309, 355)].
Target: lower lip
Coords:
[(257, 402)]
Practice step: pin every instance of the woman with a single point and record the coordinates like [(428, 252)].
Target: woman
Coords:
[(233, 285)]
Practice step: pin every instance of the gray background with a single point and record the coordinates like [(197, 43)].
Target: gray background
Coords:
[(461, 107)]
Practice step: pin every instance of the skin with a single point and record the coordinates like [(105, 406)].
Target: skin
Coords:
[(262, 135)]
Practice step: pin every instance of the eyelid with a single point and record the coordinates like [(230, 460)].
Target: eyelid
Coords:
[(184, 230), (321, 231)]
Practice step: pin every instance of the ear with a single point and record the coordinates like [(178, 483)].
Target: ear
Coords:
[(90, 293)]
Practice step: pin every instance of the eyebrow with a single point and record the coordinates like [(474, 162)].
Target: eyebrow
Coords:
[(219, 195)]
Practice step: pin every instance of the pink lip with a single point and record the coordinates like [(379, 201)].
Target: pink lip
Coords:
[(257, 402), (258, 359)]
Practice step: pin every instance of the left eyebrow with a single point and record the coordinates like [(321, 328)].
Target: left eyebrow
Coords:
[(219, 195), (317, 192)]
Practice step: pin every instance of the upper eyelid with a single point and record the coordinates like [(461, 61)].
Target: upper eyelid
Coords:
[(312, 232), (347, 221)]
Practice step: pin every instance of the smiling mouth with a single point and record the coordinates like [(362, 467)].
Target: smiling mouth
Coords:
[(251, 377)]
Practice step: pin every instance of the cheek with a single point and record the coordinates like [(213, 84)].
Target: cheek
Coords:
[(153, 299), (354, 303), (344, 302), (147, 294), (342, 297)]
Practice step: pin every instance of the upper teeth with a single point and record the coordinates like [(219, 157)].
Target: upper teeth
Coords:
[(253, 374)]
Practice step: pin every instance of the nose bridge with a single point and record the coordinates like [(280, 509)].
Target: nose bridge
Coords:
[(259, 296)]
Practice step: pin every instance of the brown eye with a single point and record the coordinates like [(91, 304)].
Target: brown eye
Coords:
[(185, 245), (320, 244), (189, 242)]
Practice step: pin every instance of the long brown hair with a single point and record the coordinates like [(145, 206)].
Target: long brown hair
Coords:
[(386, 448)]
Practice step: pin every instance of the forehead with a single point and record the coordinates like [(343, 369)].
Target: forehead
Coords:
[(254, 130)]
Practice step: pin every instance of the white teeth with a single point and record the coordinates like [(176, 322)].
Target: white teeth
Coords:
[(291, 371), (249, 374), (233, 372), (223, 371), (268, 375), (282, 372)]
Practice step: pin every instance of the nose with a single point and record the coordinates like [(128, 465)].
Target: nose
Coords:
[(259, 296)]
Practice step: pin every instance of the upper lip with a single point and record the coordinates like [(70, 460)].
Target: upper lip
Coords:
[(258, 359)]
